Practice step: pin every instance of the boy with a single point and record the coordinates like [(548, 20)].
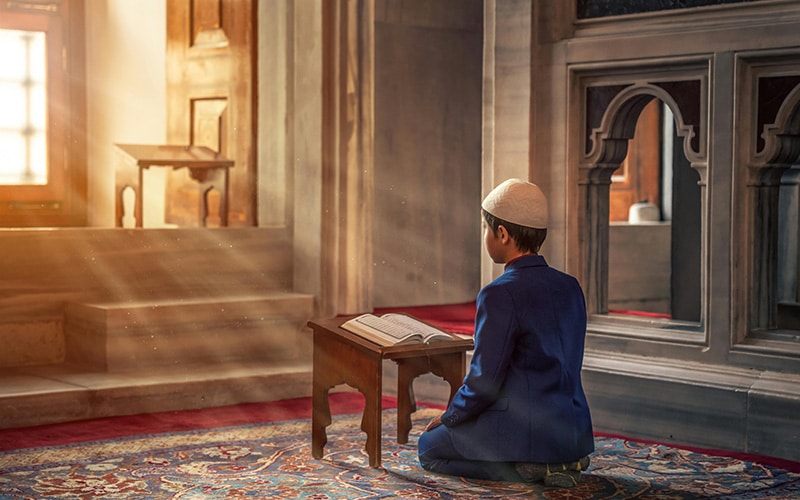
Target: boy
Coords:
[(521, 413)]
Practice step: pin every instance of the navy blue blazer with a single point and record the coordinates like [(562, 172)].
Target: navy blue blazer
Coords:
[(522, 399)]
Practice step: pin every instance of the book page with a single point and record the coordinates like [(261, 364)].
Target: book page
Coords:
[(428, 332), (395, 329), (398, 330)]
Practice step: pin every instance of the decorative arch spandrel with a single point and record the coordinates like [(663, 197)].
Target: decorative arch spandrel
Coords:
[(606, 143), (780, 136)]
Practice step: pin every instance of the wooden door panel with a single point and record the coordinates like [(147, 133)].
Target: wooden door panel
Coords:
[(206, 20), (208, 122), (189, 201), (210, 54)]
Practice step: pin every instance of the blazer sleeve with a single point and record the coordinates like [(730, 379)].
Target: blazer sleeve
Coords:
[(495, 325)]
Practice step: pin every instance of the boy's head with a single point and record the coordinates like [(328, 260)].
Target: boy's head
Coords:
[(520, 207)]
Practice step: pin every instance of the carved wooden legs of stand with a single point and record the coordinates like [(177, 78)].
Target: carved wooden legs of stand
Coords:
[(338, 363), (448, 366)]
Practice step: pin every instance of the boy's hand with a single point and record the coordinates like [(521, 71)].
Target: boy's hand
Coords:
[(437, 421)]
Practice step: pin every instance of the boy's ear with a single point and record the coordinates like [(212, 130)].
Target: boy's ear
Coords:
[(502, 233)]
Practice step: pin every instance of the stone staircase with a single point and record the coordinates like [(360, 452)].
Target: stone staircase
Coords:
[(125, 358), (123, 336)]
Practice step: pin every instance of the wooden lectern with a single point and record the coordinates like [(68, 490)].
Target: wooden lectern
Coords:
[(342, 357), (200, 161)]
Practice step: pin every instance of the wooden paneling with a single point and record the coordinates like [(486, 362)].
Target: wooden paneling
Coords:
[(207, 24)]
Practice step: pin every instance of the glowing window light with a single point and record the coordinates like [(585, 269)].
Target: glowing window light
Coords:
[(23, 101)]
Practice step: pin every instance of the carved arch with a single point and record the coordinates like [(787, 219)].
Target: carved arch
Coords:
[(607, 142), (782, 136)]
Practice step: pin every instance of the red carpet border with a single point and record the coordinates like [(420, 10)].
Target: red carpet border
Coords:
[(176, 421)]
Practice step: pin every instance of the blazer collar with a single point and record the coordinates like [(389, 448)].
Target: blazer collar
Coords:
[(526, 261)]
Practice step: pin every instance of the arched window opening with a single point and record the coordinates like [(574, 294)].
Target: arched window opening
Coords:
[(773, 186), (655, 224), (641, 189)]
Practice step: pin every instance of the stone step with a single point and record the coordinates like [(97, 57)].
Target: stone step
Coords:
[(60, 393), (41, 395), (125, 336)]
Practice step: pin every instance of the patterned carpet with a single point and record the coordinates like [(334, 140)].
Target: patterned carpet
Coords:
[(273, 460)]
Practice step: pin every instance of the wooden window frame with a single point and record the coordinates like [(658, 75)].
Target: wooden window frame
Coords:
[(62, 200)]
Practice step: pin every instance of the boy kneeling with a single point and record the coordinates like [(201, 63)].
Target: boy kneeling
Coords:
[(521, 413)]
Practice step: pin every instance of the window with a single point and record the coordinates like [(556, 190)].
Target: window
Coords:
[(769, 187), (641, 169), (765, 280), (23, 98), (587, 9), (42, 131), (654, 217)]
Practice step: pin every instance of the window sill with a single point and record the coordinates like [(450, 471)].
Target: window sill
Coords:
[(647, 328)]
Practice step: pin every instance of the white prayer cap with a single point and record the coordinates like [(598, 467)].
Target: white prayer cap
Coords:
[(519, 202)]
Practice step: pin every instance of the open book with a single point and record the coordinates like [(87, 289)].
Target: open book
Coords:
[(395, 329)]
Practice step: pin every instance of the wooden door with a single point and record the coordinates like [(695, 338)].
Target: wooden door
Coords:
[(211, 102)]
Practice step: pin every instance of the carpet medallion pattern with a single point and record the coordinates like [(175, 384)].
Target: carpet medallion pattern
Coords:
[(273, 460)]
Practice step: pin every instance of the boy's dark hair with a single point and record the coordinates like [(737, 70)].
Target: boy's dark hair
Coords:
[(528, 239)]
